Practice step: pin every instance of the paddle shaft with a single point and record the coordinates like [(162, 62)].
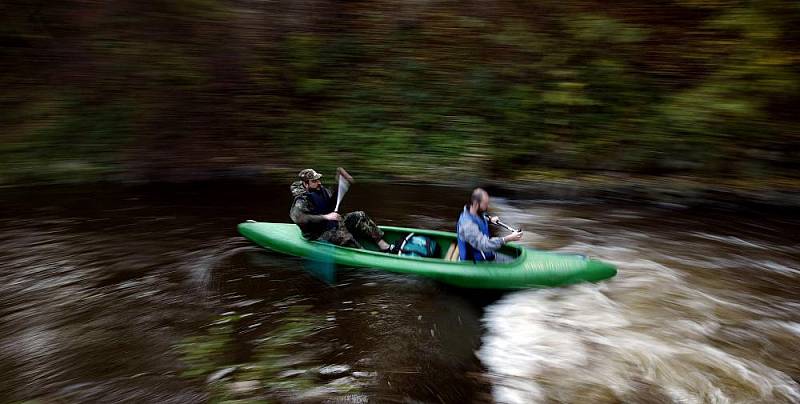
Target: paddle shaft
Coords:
[(501, 224), (340, 194)]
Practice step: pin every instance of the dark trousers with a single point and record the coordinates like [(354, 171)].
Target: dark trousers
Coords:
[(352, 225)]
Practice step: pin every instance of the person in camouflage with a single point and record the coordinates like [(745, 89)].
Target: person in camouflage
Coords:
[(312, 211)]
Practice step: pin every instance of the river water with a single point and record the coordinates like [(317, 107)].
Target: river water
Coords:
[(148, 294)]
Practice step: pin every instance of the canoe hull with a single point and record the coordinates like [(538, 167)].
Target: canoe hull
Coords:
[(531, 268)]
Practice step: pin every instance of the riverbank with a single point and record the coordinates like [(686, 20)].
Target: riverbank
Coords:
[(676, 191)]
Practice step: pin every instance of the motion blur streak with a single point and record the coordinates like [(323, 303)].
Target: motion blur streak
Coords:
[(683, 322)]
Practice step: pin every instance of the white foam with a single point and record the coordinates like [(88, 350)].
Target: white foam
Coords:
[(653, 325), (732, 240), (544, 343)]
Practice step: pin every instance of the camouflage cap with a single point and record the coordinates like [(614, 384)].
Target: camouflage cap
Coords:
[(309, 174)]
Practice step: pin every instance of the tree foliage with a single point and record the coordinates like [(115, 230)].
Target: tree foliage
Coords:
[(416, 89)]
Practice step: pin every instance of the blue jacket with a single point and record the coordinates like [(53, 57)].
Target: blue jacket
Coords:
[(474, 240)]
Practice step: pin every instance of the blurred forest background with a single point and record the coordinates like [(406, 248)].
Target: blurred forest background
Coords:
[(413, 89)]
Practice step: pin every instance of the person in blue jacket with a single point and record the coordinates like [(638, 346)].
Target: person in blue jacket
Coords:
[(475, 242)]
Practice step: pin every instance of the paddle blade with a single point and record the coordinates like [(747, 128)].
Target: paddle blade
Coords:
[(344, 185)]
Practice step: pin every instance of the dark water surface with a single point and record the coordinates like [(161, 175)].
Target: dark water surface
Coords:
[(148, 294)]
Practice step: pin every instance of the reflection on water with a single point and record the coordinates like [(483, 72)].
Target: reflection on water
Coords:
[(148, 295), (371, 335), (280, 366)]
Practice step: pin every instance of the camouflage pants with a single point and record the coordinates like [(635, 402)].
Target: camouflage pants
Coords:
[(353, 225)]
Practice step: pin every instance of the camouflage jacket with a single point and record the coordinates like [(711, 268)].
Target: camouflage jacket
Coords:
[(302, 211)]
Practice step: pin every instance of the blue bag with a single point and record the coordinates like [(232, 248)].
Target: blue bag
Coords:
[(419, 246)]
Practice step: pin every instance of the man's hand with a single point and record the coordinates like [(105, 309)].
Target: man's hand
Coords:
[(340, 171), (332, 216), (494, 219), (515, 236)]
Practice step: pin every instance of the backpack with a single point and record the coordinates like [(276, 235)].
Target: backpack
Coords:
[(418, 246)]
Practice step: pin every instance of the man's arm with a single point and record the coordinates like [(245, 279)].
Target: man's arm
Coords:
[(300, 213), (343, 173), (340, 172), (471, 233)]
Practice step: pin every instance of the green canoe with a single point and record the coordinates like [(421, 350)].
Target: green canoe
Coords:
[(531, 268)]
